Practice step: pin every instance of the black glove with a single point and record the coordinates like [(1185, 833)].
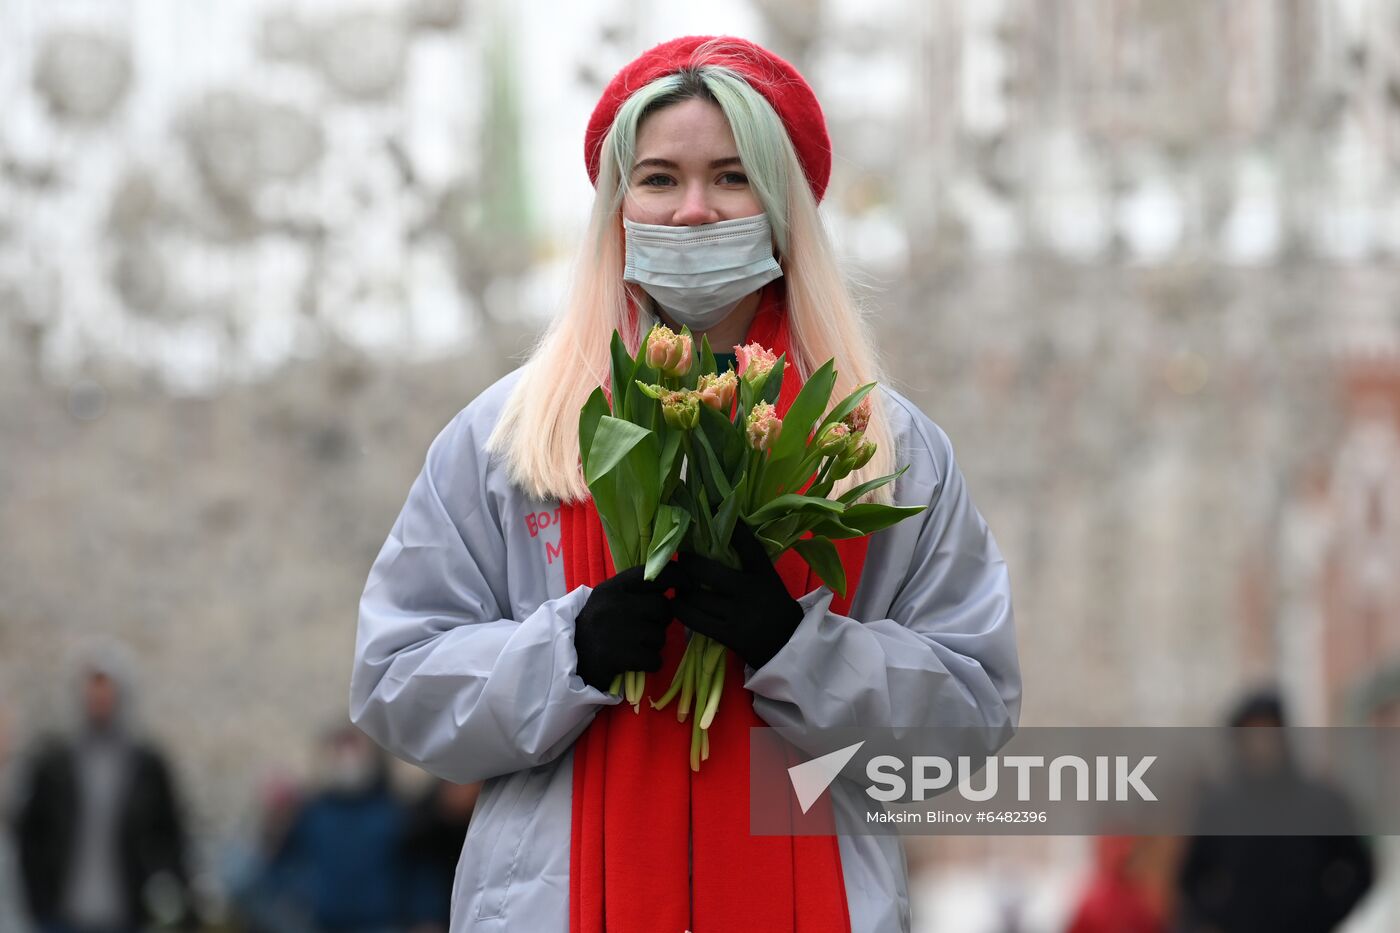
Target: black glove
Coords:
[(747, 610), (622, 625)]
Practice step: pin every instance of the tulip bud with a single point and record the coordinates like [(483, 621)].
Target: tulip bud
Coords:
[(681, 409), (659, 345), (833, 439), (862, 454), (684, 354), (763, 426), (856, 455), (669, 352), (718, 391)]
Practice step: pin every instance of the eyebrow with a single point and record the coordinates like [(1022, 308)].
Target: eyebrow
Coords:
[(666, 163)]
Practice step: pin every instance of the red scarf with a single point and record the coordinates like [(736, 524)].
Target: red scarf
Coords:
[(642, 819)]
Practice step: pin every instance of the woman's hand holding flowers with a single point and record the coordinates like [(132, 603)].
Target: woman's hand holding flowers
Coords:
[(748, 610), (622, 625)]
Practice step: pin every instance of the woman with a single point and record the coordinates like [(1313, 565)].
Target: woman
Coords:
[(492, 620)]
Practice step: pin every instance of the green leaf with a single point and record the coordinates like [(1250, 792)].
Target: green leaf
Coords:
[(623, 372), (715, 478), (726, 440), (729, 510), (829, 526), (805, 410), (670, 448), (613, 440), (643, 461), (782, 529), (774, 383), (682, 499), (869, 517), (640, 504), (781, 476), (622, 476), (642, 409), (773, 548), (662, 524), (705, 541), (820, 554), (855, 492), (789, 466), (741, 410), (707, 357), (622, 540), (595, 408), (671, 525), (792, 502)]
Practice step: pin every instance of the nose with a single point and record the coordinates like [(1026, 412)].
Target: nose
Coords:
[(695, 209)]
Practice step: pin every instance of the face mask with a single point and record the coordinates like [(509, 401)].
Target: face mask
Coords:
[(700, 274)]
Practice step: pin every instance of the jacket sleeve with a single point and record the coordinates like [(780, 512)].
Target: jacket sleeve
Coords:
[(946, 654), (442, 677)]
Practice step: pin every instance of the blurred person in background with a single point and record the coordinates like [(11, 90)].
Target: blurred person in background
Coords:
[(1115, 901), (100, 829), (432, 846), (13, 918), (340, 864), (260, 902), (1270, 884)]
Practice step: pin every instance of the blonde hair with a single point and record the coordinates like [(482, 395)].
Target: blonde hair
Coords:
[(537, 433)]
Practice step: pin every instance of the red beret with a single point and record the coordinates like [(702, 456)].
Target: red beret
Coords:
[(772, 77)]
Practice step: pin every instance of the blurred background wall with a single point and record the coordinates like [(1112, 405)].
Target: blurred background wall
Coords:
[(1140, 259)]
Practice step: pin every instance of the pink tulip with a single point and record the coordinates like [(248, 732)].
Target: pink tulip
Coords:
[(659, 346), (755, 360), (686, 355), (668, 351), (718, 391), (764, 426)]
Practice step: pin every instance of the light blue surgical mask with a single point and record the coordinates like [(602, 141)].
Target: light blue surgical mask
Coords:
[(700, 274)]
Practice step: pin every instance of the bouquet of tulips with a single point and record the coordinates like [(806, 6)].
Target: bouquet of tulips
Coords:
[(676, 463)]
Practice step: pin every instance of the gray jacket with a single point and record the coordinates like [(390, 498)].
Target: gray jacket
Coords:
[(465, 666)]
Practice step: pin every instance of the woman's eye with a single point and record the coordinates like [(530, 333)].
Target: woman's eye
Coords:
[(660, 181), (734, 178)]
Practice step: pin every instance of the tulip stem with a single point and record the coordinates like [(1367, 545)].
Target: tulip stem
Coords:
[(682, 672), (696, 737), (696, 650), (711, 682), (807, 465), (712, 701), (823, 485), (755, 479)]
